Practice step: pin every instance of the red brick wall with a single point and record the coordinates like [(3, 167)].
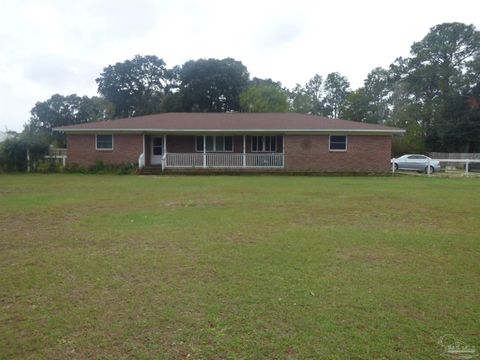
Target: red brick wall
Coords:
[(81, 149), (303, 153), (365, 153)]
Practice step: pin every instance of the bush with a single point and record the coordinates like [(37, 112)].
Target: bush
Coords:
[(48, 167), (101, 168), (13, 153), (74, 168), (98, 168)]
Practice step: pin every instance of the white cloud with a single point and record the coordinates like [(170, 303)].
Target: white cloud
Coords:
[(61, 47)]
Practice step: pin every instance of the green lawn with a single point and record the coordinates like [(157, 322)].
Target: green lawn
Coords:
[(246, 267)]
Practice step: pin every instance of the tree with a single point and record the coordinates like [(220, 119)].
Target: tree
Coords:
[(14, 150), (356, 106), (300, 101), (212, 85), (135, 87), (264, 98), (440, 69), (377, 88), (451, 49), (61, 110), (308, 99), (337, 88)]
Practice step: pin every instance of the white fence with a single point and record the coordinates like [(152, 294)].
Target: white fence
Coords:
[(451, 161), (223, 160), (56, 155), (459, 156)]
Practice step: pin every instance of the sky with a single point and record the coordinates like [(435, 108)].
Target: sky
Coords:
[(49, 47)]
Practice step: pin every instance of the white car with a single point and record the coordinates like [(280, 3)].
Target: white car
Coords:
[(415, 162)]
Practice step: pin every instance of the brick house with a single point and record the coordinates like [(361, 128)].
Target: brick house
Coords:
[(283, 142)]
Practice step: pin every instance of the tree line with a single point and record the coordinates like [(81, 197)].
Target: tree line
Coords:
[(434, 94)]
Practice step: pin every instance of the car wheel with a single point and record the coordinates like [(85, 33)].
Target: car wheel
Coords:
[(395, 166), (432, 169)]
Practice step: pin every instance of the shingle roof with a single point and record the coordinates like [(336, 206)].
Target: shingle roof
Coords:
[(228, 122)]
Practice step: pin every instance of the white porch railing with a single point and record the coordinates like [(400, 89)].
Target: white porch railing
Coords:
[(224, 160), (141, 161)]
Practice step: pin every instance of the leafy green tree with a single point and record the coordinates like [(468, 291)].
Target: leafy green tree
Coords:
[(356, 106), (440, 69), (135, 87), (308, 99), (212, 85), (451, 49), (337, 88), (377, 87), (264, 98), (14, 150), (172, 102), (61, 110), (258, 81), (300, 101)]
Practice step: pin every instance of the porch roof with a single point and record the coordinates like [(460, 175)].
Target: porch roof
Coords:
[(195, 123)]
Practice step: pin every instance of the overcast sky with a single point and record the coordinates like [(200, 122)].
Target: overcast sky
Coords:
[(50, 47)]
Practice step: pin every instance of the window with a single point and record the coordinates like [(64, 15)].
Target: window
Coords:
[(215, 143), (104, 142), (338, 143), (157, 146), (264, 143)]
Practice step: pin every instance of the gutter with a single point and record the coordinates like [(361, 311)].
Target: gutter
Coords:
[(236, 131)]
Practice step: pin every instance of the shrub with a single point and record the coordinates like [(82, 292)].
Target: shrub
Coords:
[(74, 168), (48, 167)]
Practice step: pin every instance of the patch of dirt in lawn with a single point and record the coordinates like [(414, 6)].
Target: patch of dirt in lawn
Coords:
[(196, 203), (377, 256)]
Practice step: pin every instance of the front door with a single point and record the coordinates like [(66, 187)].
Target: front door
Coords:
[(157, 150)]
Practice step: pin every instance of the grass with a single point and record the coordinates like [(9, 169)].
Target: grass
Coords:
[(276, 267)]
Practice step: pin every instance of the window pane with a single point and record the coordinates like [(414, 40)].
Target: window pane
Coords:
[(337, 146), (338, 142), (228, 143), (254, 143), (273, 143), (157, 150), (104, 141), (209, 141), (337, 139), (199, 143), (219, 143)]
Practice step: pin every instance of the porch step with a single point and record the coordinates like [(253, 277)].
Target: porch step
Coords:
[(149, 170)]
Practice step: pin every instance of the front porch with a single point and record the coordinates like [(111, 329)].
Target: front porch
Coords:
[(212, 152)]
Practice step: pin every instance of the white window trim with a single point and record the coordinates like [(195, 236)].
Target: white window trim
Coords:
[(337, 150), (103, 149), (263, 151), (214, 144)]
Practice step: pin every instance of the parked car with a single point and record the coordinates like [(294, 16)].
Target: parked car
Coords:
[(415, 162)]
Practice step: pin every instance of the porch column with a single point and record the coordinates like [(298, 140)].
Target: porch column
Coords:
[(204, 151), (244, 154), (164, 150), (283, 150)]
